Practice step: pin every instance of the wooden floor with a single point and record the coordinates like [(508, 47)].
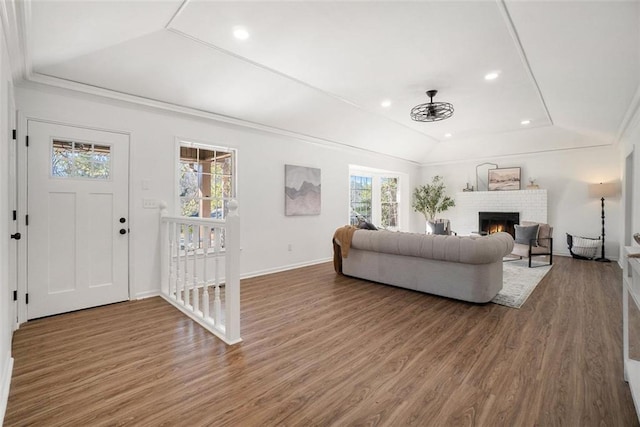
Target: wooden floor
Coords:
[(323, 349)]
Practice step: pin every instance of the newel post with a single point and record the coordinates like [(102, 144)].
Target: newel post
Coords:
[(164, 249), (232, 274)]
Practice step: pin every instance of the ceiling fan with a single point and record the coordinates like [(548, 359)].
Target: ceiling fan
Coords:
[(432, 111)]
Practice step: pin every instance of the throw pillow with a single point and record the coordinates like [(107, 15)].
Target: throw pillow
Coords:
[(366, 225), (437, 227), (524, 234), (544, 232)]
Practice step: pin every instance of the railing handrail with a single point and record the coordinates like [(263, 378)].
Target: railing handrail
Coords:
[(194, 220), (229, 329)]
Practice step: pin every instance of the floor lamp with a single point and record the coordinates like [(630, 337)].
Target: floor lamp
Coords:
[(602, 190)]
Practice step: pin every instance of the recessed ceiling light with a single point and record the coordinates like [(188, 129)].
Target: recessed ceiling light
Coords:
[(447, 135), (492, 76), (240, 33), (386, 103), (525, 122)]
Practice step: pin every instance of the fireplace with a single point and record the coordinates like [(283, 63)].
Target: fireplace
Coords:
[(493, 222)]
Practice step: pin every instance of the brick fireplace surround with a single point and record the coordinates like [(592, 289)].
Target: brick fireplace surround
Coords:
[(531, 204)]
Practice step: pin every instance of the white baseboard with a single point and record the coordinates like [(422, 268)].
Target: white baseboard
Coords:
[(283, 268), (568, 255), (5, 384), (156, 292), (147, 294)]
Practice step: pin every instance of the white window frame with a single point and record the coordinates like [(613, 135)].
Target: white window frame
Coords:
[(376, 196), (73, 143), (191, 143)]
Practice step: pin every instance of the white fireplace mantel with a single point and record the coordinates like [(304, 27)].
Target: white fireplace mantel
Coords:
[(531, 204)]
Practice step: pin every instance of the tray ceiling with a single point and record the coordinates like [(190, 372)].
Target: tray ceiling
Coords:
[(322, 69)]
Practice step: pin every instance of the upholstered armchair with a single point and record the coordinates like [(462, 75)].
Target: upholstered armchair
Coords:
[(533, 239)]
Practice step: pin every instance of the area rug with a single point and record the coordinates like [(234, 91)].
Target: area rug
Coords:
[(518, 282)]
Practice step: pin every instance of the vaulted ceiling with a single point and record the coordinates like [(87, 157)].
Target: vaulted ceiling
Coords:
[(322, 69)]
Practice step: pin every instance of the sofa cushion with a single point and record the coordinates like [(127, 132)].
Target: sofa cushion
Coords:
[(479, 250), (544, 232), (523, 250), (525, 234)]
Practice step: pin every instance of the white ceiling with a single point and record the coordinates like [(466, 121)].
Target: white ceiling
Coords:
[(320, 69)]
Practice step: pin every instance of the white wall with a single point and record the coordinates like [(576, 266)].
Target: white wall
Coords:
[(565, 175), (631, 143), (6, 309), (266, 232)]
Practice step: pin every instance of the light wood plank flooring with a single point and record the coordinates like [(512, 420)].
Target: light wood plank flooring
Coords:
[(323, 349)]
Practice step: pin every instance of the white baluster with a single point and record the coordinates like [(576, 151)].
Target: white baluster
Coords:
[(217, 305), (172, 271), (206, 241), (178, 294), (187, 236), (232, 274), (195, 292), (182, 278)]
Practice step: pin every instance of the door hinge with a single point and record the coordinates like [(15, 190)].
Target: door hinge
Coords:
[(26, 220), (15, 215), (13, 134), (26, 297), (26, 140), (15, 295)]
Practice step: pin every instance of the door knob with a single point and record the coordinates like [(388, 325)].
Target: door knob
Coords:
[(122, 220), (16, 236), (123, 231)]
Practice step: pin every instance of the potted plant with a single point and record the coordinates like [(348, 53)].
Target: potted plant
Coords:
[(430, 199)]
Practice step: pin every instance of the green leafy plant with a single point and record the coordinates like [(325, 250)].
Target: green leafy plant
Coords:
[(430, 199)]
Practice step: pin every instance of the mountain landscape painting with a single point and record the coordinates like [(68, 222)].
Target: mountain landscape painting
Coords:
[(301, 190)]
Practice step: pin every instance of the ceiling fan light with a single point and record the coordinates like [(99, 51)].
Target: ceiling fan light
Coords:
[(431, 111)]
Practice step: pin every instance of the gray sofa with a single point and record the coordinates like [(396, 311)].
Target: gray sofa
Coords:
[(464, 268)]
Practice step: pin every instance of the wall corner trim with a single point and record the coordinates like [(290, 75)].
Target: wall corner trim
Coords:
[(5, 384)]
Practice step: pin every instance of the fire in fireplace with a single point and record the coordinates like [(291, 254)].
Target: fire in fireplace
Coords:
[(494, 222)]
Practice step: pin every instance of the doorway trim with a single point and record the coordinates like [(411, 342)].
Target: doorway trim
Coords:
[(22, 192)]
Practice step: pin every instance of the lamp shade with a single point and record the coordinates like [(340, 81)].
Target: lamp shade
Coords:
[(603, 189)]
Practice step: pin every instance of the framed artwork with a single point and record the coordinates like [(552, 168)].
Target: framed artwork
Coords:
[(302, 190), (504, 179)]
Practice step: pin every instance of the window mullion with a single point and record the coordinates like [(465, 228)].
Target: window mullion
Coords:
[(376, 200)]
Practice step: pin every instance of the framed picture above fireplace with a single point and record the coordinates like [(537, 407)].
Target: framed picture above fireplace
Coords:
[(504, 179)]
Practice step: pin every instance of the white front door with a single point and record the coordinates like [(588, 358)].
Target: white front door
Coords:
[(78, 218)]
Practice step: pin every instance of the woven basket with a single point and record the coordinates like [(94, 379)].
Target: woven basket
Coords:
[(583, 247)]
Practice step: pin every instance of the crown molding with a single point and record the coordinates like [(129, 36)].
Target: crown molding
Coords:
[(37, 78), (13, 23), (514, 156)]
